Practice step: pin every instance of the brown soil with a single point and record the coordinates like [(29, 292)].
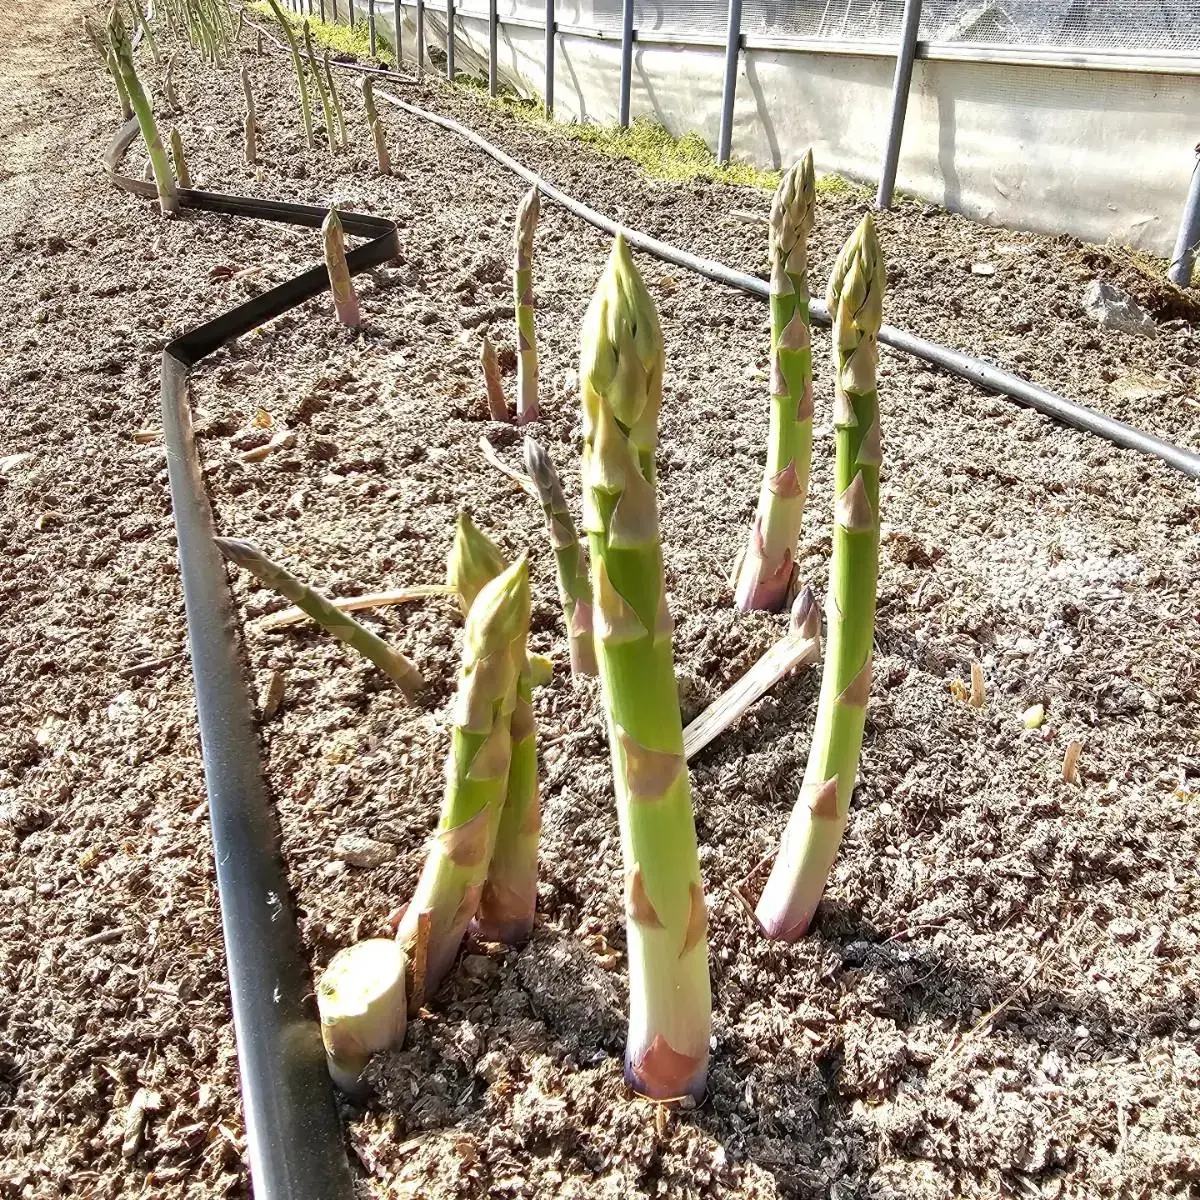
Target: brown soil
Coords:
[(1000, 996)]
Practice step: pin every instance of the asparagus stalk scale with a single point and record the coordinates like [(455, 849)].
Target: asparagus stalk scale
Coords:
[(574, 587), (765, 574), (343, 626), (621, 369), (345, 299), (298, 67), (527, 361), (452, 880), (814, 830)]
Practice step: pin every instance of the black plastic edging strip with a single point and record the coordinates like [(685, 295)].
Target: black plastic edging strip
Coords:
[(975, 370), (293, 1134)]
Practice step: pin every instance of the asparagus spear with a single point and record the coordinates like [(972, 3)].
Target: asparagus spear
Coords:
[(298, 67), (182, 174), (168, 84), (250, 128), (343, 626), (314, 68), (452, 880), (345, 299), (496, 401), (335, 100), (814, 830), (527, 362), (765, 575), (474, 561), (621, 369), (574, 587)]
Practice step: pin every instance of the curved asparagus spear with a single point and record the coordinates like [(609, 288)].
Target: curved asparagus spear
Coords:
[(496, 401), (345, 299), (814, 830), (527, 362), (250, 128), (314, 68), (474, 561), (382, 158), (768, 562), (343, 626), (574, 587), (621, 369), (335, 100), (298, 67), (182, 174), (122, 53), (452, 879)]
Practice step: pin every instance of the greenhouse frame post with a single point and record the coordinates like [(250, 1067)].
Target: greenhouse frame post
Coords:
[(398, 19), (371, 28), (335, 12), (420, 38), (551, 30), (450, 40), (350, 18), (322, 12), (1183, 260), (493, 49), (909, 26), (733, 46), (626, 61)]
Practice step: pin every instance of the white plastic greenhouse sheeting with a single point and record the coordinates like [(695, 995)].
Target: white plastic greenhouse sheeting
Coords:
[(1103, 155)]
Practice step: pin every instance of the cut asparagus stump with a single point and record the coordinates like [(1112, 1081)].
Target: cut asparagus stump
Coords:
[(452, 880), (363, 1007), (814, 830), (574, 587), (798, 648), (345, 299), (765, 573), (621, 370), (527, 360), (343, 626), (474, 561)]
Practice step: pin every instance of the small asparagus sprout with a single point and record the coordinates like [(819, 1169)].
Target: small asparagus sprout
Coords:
[(527, 362), (474, 561), (363, 1006), (620, 374), (122, 51), (456, 868), (250, 127), (765, 575), (382, 158), (814, 830), (298, 67), (570, 563), (168, 84), (182, 174), (345, 299), (368, 96), (343, 626), (496, 401), (326, 108), (335, 101)]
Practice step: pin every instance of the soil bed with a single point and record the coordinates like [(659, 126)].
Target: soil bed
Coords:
[(999, 997)]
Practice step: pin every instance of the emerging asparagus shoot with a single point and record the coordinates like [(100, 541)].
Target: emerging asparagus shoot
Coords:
[(570, 563), (168, 83), (345, 299), (621, 370), (182, 174), (250, 128), (527, 361), (814, 830), (765, 574), (334, 100), (474, 561), (496, 401)]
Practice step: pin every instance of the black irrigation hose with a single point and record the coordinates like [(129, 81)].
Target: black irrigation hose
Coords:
[(292, 1129)]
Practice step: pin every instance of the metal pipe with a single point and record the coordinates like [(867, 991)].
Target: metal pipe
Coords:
[(371, 28), (450, 40), (493, 31), (975, 370), (626, 60), (420, 38), (322, 12), (733, 45), (335, 12), (550, 32), (1183, 259), (909, 26), (350, 7), (398, 18)]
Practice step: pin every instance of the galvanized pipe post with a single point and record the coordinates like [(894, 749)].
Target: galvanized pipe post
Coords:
[(322, 12), (450, 40), (420, 38), (1183, 260), (626, 61), (550, 38), (371, 28), (335, 12), (350, 5), (733, 46), (493, 32), (398, 18), (905, 54)]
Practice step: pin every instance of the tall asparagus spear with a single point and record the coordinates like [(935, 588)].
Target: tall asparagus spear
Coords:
[(314, 68), (768, 562), (334, 99), (168, 83), (298, 67), (574, 587), (122, 53), (527, 361), (250, 128), (452, 880), (345, 299), (814, 830), (621, 369), (109, 59), (474, 561), (343, 626)]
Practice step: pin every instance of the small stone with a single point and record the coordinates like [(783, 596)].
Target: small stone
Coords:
[(1034, 716), (1025, 646), (1113, 309), (983, 268), (358, 850), (1149, 701)]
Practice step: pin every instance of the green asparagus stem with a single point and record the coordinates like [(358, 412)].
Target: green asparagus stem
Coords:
[(382, 158), (314, 68), (182, 174), (574, 587), (122, 52), (335, 100), (345, 299), (621, 370), (474, 561), (456, 868), (527, 361), (343, 626), (814, 830), (106, 56), (765, 576), (496, 401), (169, 94), (298, 67), (139, 19), (250, 128)]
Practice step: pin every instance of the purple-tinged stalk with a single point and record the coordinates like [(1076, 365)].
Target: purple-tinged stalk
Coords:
[(765, 576), (497, 402), (168, 84), (345, 299), (620, 376), (528, 408), (818, 821)]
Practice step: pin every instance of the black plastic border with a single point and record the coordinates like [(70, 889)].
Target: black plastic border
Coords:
[(294, 1136)]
